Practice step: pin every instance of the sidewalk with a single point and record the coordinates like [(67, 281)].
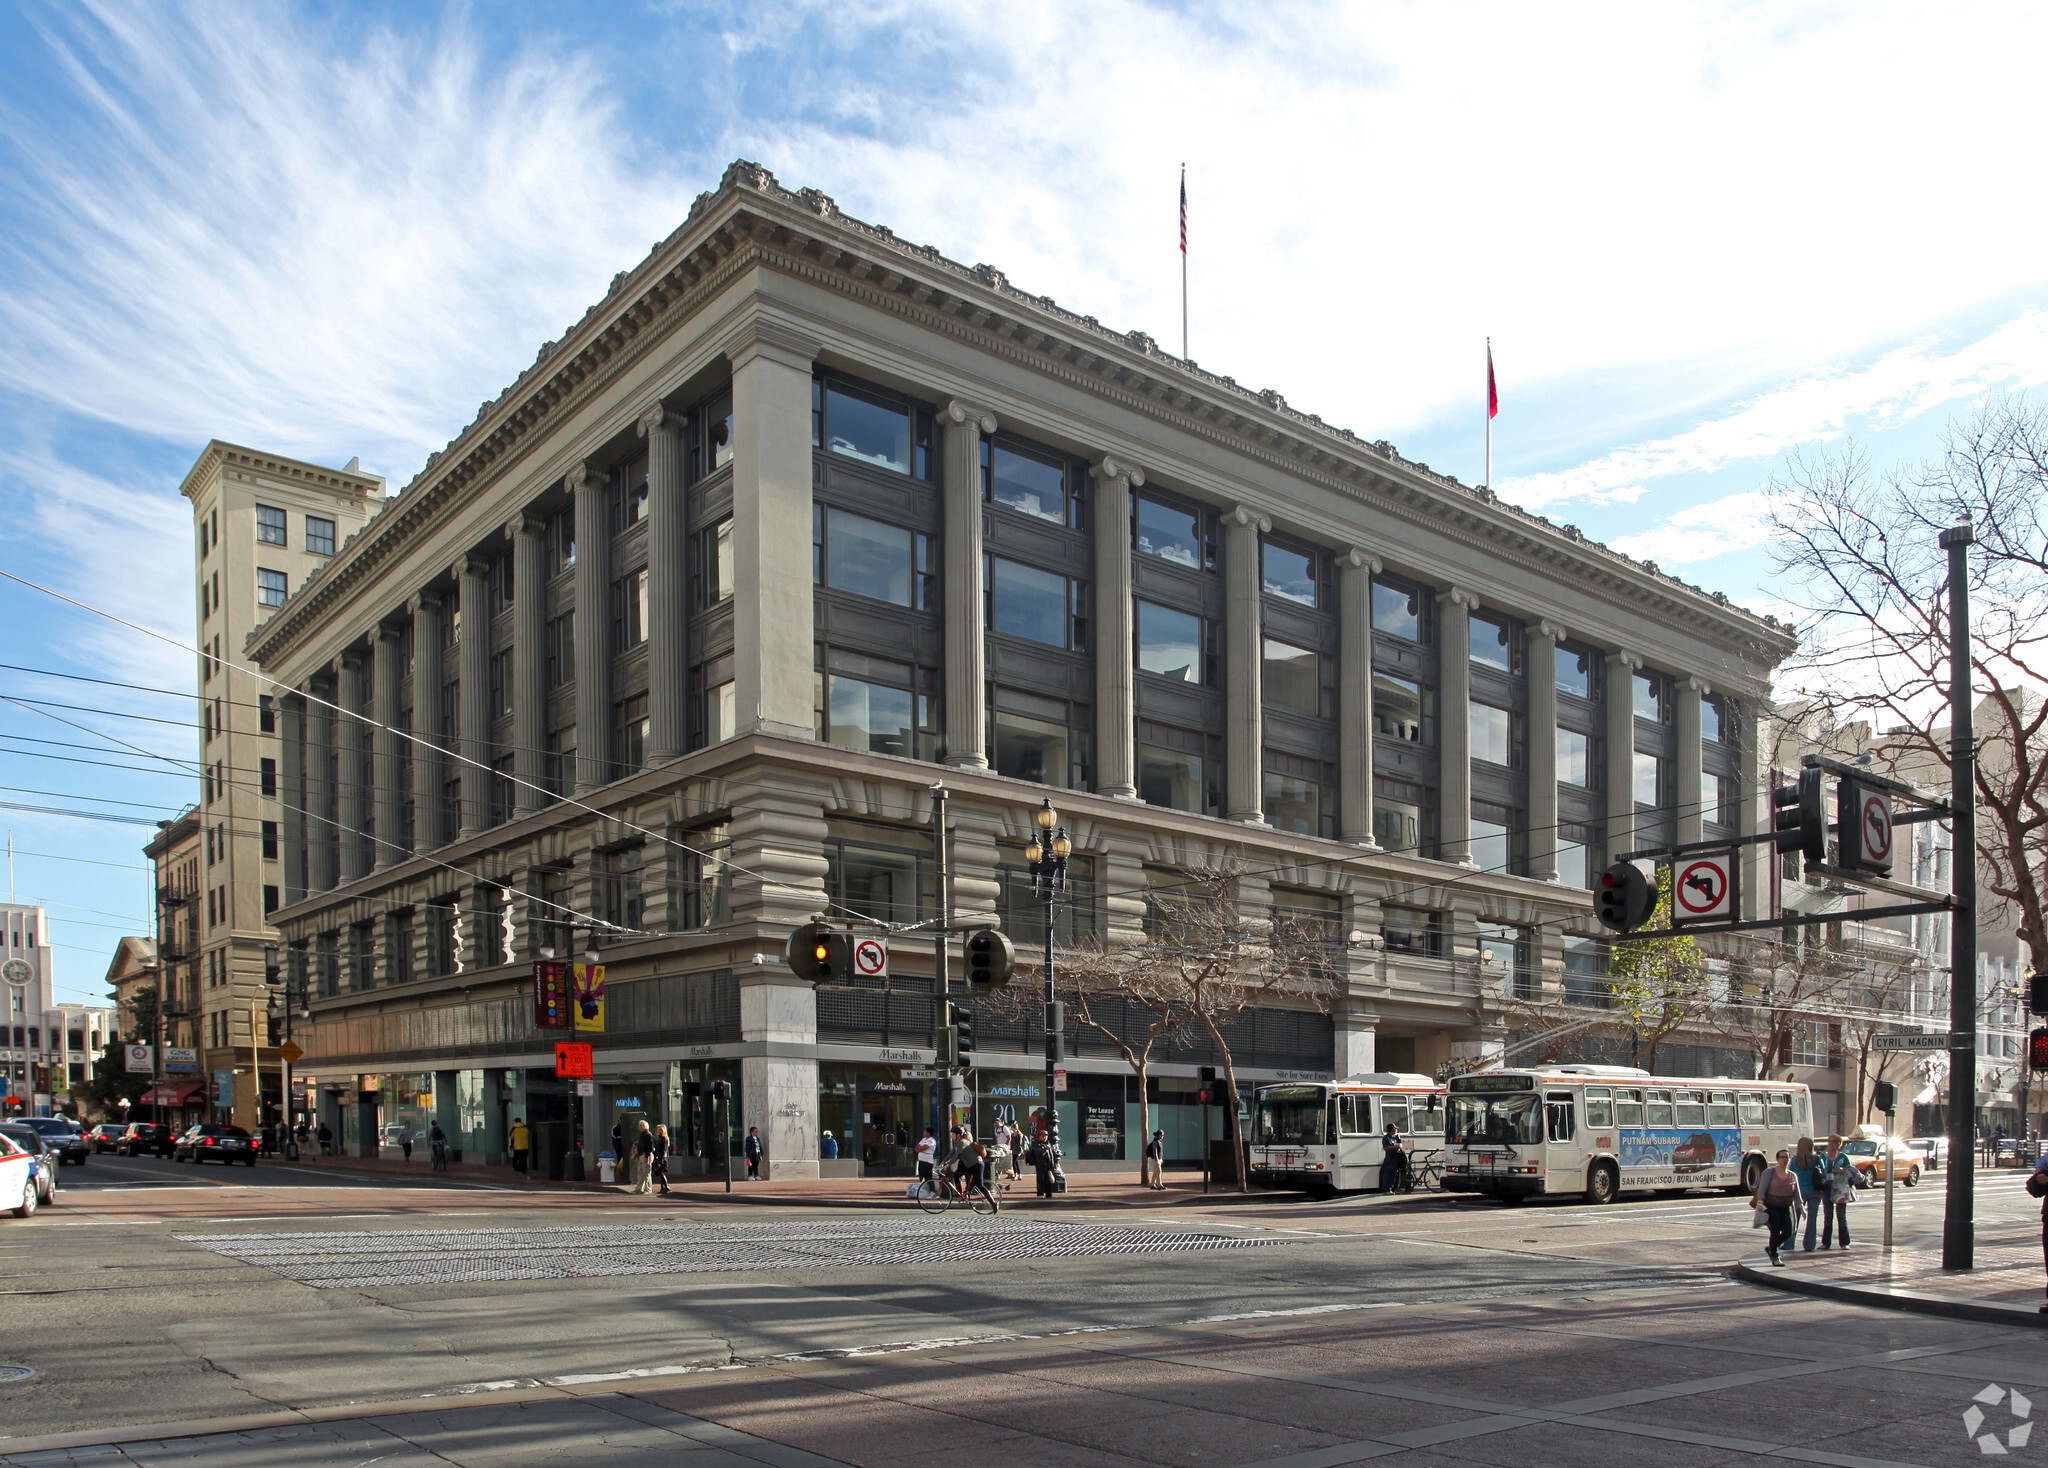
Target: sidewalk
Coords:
[(2006, 1284), (1084, 1190)]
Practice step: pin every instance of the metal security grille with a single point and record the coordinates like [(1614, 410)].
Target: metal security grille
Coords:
[(361, 1260)]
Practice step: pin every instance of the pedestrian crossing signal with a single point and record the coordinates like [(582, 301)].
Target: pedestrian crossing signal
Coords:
[(2037, 993), (2037, 1049)]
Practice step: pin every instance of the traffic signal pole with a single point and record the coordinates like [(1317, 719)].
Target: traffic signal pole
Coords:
[(1958, 1231)]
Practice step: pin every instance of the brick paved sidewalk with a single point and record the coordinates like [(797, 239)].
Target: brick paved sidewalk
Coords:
[(2007, 1284)]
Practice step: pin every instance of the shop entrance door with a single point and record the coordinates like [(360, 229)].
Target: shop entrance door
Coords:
[(892, 1118)]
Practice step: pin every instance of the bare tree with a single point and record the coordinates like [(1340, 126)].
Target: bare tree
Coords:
[(1659, 984), (1864, 566), (1774, 987), (1872, 999)]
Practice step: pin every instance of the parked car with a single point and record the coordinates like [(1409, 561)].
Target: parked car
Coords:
[(42, 1158), (1874, 1158), (63, 1135), (1933, 1151), (145, 1136), (215, 1144), (106, 1137), (17, 1178)]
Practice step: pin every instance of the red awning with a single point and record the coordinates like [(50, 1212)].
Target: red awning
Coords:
[(193, 1095)]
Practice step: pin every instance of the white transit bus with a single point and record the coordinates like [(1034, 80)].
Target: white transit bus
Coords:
[(1324, 1136), (1602, 1130)]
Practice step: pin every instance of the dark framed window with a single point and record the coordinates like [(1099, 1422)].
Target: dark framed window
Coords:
[(703, 877), (1649, 779), (1294, 575), (629, 734), (868, 558), (1577, 670), (1499, 838), (1180, 534), (710, 436), (561, 649), (498, 588), (1403, 709), (1175, 644), (1053, 745), (1413, 932), (629, 494), (879, 873), (1029, 602), (499, 797), (270, 588), (1578, 854), (270, 840), (501, 684), (716, 710), (553, 916), (266, 714), (854, 713), (1400, 609), (266, 775), (1032, 482), (1298, 678), (1578, 759), (319, 535), (622, 894), (1712, 722), (1496, 735), (398, 948), (1585, 973), (1651, 692), (872, 426), (1496, 642), (1403, 816), (629, 611), (1180, 779), (562, 540), (1507, 958), (269, 525), (714, 564), (1295, 803)]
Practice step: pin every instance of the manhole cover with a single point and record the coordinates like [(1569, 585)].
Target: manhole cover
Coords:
[(16, 1373)]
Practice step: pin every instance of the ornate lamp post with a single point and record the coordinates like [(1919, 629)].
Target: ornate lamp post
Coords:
[(1046, 856)]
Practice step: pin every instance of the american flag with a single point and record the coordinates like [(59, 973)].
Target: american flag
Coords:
[(1183, 211)]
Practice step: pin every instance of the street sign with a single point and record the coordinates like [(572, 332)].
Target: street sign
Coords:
[(289, 1052), (1910, 1042), (1059, 1080), (574, 1061), (870, 958), (919, 1073), (1702, 887), (141, 1059), (586, 1088), (1866, 816)]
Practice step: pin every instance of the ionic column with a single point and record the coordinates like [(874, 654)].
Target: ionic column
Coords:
[(1244, 724), (428, 694), (323, 874), (387, 800), (1739, 721), (352, 800), (1355, 570), (1621, 751), (771, 514), (473, 689), (529, 660), (1543, 640), (668, 605), (1687, 788), (292, 709), (1454, 725), (966, 656), (593, 624), (1116, 705)]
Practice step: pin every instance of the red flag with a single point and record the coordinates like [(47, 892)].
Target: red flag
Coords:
[(1492, 392), (1183, 213)]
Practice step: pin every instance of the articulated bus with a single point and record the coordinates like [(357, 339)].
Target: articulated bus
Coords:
[(1602, 1130), (1325, 1135)]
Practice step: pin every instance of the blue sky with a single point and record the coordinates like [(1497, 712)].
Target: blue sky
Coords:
[(1703, 239)]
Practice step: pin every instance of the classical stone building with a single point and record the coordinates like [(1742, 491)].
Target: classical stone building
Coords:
[(664, 651)]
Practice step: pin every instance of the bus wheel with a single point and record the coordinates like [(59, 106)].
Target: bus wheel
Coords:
[(1603, 1185), (1752, 1175)]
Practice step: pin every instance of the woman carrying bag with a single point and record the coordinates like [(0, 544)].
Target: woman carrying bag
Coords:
[(1777, 1198)]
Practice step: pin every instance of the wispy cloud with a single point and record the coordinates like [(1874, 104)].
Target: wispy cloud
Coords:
[(1816, 408), (1701, 532), (245, 225)]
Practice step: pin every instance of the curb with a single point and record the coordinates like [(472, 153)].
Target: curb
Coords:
[(1886, 1297)]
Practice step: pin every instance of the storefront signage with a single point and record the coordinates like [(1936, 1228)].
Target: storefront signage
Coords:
[(551, 996), (1008, 1090), (140, 1059), (587, 983), (181, 1061), (907, 1057), (885, 1088), (573, 1060)]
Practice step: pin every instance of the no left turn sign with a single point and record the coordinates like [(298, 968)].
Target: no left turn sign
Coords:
[(870, 957), (1702, 888), (1876, 822)]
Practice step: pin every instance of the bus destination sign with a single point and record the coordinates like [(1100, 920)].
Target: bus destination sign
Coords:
[(1493, 1083)]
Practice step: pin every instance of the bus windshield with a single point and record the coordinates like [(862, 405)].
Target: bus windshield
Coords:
[(1290, 1123), (1507, 1119)]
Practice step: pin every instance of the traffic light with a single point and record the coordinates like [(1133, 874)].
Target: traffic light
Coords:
[(1885, 1097), (1206, 1074), (991, 959), (1799, 815), (960, 1028), (820, 953), (2037, 993), (2037, 1049), (1863, 817), (721, 1090), (1624, 899)]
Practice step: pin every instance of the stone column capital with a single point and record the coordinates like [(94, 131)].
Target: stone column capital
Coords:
[(389, 632), (352, 659), (526, 522), (1552, 630), (1361, 560), (764, 337), (581, 476), (1699, 685), (1245, 515), (470, 563), (657, 417), (959, 412), (423, 601), (1109, 467), (1621, 657), (1458, 596)]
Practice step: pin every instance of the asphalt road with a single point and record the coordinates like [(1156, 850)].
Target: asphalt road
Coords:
[(156, 1292)]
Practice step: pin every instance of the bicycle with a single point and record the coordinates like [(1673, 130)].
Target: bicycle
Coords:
[(938, 1193), (1427, 1175), (440, 1157)]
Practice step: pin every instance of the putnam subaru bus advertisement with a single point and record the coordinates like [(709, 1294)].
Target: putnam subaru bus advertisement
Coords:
[(1680, 1149)]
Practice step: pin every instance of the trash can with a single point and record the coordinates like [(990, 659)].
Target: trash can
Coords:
[(606, 1168)]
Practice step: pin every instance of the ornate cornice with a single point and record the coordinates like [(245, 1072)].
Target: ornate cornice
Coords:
[(750, 221)]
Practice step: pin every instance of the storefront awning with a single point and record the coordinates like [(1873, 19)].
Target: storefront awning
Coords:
[(192, 1095)]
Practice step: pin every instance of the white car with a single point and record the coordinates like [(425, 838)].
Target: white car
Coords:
[(17, 1179)]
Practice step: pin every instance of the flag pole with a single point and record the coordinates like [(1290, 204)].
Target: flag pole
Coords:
[(1183, 262), (1489, 412)]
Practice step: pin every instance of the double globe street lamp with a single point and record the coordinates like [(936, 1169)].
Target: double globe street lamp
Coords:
[(1046, 857)]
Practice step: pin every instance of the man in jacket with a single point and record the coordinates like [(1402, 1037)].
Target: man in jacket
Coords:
[(521, 1140), (753, 1154), (1155, 1161), (643, 1157)]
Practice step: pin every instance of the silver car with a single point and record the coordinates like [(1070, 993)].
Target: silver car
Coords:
[(1933, 1151)]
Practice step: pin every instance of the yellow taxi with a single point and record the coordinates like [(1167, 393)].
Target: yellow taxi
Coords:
[(1875, 1158)]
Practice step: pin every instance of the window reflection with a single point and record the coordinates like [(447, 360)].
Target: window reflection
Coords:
[(1167, 777), (1032, 749), (863, 556), (1575, 758), (1574, 672), (1397, 610), (1403, 709), (1649, 696), (1289, 573), (871, 429), (1170, 533), (1495, 644), (1649, 778), (1295, 804), (1493, 735), (869, 716), (1027, 484), (1024, 601), (1291, 678), (1169, 642)]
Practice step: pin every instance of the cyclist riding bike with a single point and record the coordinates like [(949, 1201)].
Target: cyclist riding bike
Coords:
[(968, 1164)]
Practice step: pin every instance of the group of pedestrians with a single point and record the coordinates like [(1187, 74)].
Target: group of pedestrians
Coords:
[(642, 1159), (1818, 1183)]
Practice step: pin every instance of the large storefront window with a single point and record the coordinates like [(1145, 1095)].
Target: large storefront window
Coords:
[(874, 1116)]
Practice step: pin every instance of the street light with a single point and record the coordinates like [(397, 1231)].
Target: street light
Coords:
[(1046, 856)]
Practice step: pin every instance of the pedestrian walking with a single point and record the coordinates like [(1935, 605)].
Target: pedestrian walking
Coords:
[(927, 1155), (437, 1142), (1811, 1170), (1393, 1160), (1838, 1191), (657, 1160), (405, 1142), (326, 1140), (1155, 1161), (753, 1154), (1777, 1197), (522, 1142), (643, 1158)]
